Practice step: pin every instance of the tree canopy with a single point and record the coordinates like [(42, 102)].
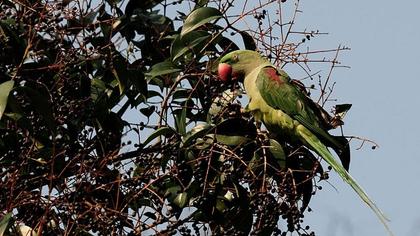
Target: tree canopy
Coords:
[(112, 120)]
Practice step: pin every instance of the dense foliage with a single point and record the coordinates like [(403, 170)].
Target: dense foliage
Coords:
[(112, 122)]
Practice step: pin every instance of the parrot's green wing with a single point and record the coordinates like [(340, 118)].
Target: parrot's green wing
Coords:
[(275, 89), (326, 121)]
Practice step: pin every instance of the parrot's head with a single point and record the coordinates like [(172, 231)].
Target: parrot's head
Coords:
[(237, 64)]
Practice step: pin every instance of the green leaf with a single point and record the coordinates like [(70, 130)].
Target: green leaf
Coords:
[(197, 132), (159, 132), (13, 116), (172, 192), (190, 41), (5, 89), (106, 28), (4, 223), (230, 140), (277, 150), (229, 196), (181, 121), (203, 143), (90, 17), (98, 87), (140, 202), (181, 199), (200, 3), (255, 162), (182, 94), (162, 68), (220, 204), (198, 18)]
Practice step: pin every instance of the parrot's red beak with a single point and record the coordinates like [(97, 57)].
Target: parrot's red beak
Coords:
[(225, 72)]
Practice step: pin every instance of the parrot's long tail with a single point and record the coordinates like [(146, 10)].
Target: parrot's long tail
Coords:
[(316, 145)]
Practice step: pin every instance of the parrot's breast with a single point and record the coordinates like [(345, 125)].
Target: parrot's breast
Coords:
[(274, 119)]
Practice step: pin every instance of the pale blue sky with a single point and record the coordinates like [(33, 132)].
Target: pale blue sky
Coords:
[(382, 85)]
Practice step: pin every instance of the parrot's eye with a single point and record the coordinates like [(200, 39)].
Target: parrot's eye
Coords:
[(235, 58)]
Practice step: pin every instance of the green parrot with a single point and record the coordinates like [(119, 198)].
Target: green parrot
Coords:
[(286, 110)]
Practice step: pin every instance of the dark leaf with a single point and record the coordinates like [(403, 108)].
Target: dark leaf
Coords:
[(200, 3), (152, 93), (148, 111), (162, 68), (151, 215), (237, 126), (113, 2), (198, 131), (226, 44), (341, 110), (249, 41), (231, 140), (192, 41), (198, 18), (98, 87), (138, 80), (103, 17), (277, 150), (307, 188), (141, 5), (181, 121), (172, 191), (159, 132), (17, 44), (243, 219), (182, 94)]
